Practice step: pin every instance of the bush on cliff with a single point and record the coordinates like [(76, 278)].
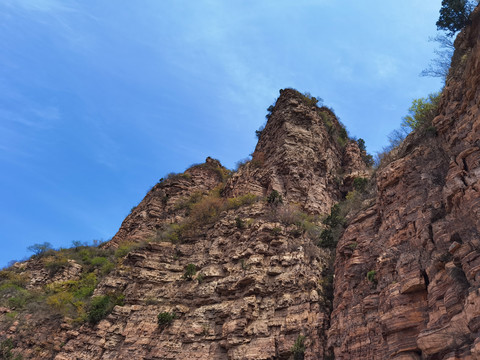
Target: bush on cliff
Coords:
[(103, 305), (422, 111), (166, 318), (455, 15), (298, 348)]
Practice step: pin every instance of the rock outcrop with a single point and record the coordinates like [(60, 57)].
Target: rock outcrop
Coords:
[(160, 205), (254, 292), (302, 154), (260, 283), (420, 242)]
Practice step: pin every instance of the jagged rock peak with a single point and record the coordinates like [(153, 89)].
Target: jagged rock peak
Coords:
[(303, 152)]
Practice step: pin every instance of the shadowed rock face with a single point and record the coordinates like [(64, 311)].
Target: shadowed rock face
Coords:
[(422, 239)]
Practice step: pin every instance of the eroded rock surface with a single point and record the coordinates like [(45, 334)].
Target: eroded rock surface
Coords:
[(255, 291), (299, 155), (420, 241), (407, 268), (160, 205)]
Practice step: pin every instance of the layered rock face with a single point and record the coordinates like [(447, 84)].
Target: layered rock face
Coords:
[(160, 205), (260, 282), (407, 271), (299, 155), (254, 292)]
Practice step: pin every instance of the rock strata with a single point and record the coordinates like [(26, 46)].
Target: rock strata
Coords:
[(218, 267), (299, 154), (420, 239)]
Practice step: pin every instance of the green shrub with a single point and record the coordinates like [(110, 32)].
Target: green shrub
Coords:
[(103, 305), (14, 296), (341, 141), (166, 318), (98, 308), (327, 122), (368, 159), (335, 218), (171, 233), (334, 224), (361, 145), (276, 231), (40, 249), (360, 184), (274, 198), (242, 200), (190, 271), (422, 111), (102, 263), (371, 276), (239, 223), (11, 277), (188, 203), (298, 348), (6, 347), (269, 114), (342, 132), (125, 248), (85, 286), (56, 264), (311, 100), (176, 177), (258, 133), (70, 297)]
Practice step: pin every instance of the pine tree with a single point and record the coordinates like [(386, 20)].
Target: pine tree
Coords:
[(454, 15)]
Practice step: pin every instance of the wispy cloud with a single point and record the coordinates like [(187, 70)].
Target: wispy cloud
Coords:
[(44, 6)]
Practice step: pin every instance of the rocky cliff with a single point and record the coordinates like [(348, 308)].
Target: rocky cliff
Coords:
[(215, 266), (219, 265), (407, 268)]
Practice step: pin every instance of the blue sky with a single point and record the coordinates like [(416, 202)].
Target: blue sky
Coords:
[(100, 99)]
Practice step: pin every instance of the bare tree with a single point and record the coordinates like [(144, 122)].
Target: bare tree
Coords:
[(440, 65)]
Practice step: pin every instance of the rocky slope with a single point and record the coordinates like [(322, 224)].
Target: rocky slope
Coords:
[(420, 241), (161, 204), (260, 283)]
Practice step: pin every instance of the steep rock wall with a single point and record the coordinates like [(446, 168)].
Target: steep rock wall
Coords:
[(299, 155), (420, 241)]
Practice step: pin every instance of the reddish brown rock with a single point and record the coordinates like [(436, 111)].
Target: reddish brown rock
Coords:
[(421, 237)]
